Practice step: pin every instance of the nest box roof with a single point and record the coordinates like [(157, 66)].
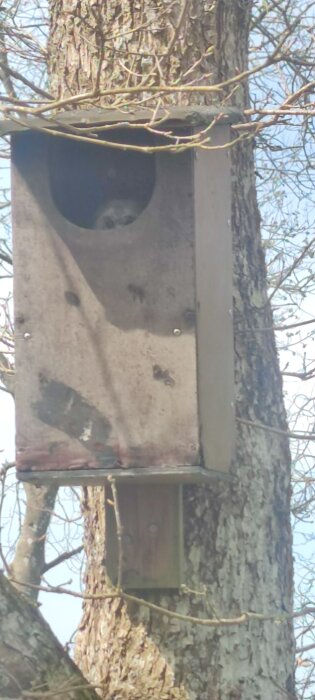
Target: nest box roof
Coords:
[(170, 116)]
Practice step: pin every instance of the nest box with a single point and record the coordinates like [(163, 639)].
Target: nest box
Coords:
[(123, 299)]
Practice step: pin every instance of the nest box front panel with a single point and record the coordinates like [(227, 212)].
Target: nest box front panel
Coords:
[(105, 306)]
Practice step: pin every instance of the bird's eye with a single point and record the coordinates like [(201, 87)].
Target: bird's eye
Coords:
[(108, 223), (128, 220)]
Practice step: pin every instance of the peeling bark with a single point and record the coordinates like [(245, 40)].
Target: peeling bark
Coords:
[(128, 42), (32, 661), (237, 537)]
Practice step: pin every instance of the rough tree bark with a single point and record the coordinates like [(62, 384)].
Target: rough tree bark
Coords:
[(237, 537), (33, 664)]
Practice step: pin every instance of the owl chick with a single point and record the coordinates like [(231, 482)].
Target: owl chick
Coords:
[(117, 212)]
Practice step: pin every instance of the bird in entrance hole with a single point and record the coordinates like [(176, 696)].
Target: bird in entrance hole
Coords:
[(117, 212)]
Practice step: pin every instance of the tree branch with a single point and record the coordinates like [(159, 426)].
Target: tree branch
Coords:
[(277, 431), (29, 561), (18, 76), (292, 267), (7, 375), (32, 661), (217, 621), (5, 76), (59, 560), (5, 258)]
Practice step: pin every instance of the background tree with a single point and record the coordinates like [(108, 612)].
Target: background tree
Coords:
[(238, 542)]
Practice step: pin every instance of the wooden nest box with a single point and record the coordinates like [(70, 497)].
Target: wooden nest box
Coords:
[(123, 298)]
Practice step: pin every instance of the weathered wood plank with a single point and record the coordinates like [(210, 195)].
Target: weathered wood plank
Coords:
[(152, 536)]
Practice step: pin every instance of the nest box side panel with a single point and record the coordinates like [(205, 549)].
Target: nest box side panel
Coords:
[(214, 279), (105, 325)]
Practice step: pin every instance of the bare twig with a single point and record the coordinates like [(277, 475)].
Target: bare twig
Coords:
[(292, 267), (62, 557), (277, 431), (18, 76), (246, 616), (5, 258), (5, 73), (119, 532)]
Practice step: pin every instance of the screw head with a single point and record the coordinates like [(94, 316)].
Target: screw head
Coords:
[(177, 332)]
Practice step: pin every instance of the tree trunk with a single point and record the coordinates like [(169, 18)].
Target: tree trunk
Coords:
[(32, 661), (237, 536), (29, 558)]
